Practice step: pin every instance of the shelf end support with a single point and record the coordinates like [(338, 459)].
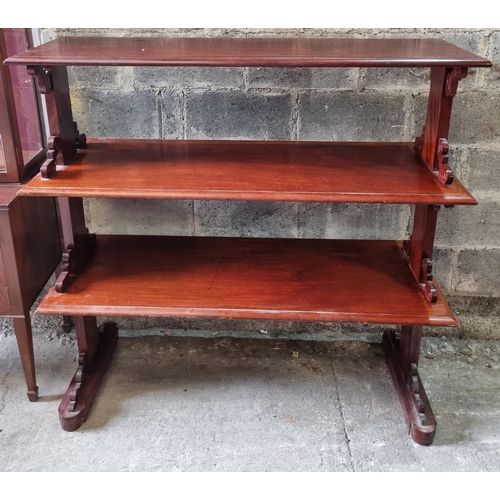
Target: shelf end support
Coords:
[(402, 351), (433, 143), (95, 348)]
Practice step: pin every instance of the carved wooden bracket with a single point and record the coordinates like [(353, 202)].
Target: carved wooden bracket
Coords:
[(81, 139), (440, 167), (444, 172), (451, 85), (63, 280), (426, 280), (432, 145), (43, 77), (79, 380), (68, 264), (48, 169)]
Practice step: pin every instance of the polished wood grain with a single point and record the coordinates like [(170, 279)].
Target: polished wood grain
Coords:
[(339, 52), (301, 280), (250, 170), (29, 239)]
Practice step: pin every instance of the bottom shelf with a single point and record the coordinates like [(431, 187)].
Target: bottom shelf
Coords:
[(240, 278)]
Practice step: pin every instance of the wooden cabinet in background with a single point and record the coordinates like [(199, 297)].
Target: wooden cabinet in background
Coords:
[(30, 247)]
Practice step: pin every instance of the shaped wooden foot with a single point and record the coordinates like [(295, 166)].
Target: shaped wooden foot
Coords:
[(402, 351), (22, 328), (95, 351)]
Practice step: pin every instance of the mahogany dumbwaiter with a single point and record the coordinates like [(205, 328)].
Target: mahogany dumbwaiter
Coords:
[(384, 282)]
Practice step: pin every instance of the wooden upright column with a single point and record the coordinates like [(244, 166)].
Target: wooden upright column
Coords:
[(403, 348), (95, 345), (433, 143)]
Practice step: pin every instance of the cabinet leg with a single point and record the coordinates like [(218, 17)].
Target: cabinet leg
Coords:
[(22, 327), (67, 324), (402, 351), (95, 349)]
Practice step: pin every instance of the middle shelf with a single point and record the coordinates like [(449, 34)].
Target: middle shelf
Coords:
[(249, 278), (343, 172)]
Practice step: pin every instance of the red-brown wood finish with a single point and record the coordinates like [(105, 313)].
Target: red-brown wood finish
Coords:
[(422, 238), (61, 124), (402, 351), (24, 338), (300, 280), (95, 349), (78, 244), (433, 144), (30, 251), (8, 195), (339, 52), (250, 170), (13, 167)]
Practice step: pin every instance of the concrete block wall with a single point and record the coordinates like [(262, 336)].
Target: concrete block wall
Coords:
[(345, 104)]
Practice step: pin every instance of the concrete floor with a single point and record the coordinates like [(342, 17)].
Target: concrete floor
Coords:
[(173, 403)]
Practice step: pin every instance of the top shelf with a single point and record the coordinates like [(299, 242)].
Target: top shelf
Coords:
[(302, 52)]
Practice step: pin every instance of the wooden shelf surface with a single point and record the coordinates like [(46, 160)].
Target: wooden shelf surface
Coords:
[(250, 170), (241, 278), (334, 52)]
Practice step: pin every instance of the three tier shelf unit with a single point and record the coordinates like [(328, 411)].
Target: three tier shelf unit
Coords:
[(384, 282)]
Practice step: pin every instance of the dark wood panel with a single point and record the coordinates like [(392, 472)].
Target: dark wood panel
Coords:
[(35, 233), (281, 279), (73, 51), (250, 170)]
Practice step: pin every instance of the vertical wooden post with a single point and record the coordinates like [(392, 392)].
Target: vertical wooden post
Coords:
[(87, 336), (410, 340), (24, 337), (61, 122), (433, 144), (422, 237), (74, 229)]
